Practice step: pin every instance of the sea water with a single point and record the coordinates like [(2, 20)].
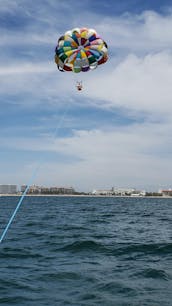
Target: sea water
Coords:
[(85, 251)]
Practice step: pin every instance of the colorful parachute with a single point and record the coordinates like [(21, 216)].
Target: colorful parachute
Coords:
[(80, 50)]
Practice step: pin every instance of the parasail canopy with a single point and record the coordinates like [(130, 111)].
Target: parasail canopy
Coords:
[(80, 49)]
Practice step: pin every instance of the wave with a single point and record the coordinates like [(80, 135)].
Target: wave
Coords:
[(120, 249), (153, 273), (19, 253), (55, 276), (87, 245)]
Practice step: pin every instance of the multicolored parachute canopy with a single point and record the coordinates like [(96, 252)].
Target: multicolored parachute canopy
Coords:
[(80, 50)]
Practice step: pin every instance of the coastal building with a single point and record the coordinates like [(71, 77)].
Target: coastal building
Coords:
[(23, 188), (34, 189), (62, 190), (101, 192), (44, 190), (8, 189), (128, 192), (122, 191), (138, 193), (166, 193)]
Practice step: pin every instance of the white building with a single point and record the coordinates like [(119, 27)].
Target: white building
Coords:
[(138, 193), (122, 191), (8, 189), (166, 192), (101, 192)]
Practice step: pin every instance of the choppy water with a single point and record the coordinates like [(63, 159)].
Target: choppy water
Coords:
[(85, 251)]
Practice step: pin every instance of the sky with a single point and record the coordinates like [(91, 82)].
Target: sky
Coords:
[(117, 131)]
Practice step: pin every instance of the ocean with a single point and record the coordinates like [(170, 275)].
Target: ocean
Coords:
[(86, 251)]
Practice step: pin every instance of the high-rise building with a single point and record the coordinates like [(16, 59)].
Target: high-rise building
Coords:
[(8, 189), (23, 188)]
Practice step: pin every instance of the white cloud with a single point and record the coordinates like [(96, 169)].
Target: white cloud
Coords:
[(147, 32), (140, 84), (28, 38), (25, 68), (130, 156)]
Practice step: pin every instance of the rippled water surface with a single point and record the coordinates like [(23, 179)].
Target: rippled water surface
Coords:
[(85, 251)]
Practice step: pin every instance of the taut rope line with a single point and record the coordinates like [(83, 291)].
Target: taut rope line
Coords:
[(54, 135)]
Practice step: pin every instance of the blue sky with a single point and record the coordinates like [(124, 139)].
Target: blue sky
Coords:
[(117, 131)]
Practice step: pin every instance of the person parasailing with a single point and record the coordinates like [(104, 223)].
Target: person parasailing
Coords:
[(79, 85)]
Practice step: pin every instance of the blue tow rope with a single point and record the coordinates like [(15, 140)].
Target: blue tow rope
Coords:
[(31, 181), (18, 206)]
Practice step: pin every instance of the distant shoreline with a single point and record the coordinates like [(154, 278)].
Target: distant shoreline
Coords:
[(82, 195)]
